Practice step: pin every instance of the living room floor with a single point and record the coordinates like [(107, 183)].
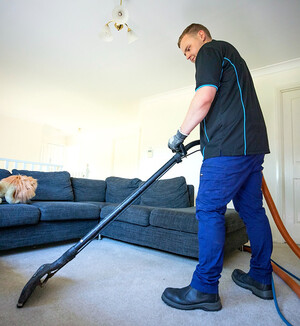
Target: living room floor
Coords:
[(113, 283)]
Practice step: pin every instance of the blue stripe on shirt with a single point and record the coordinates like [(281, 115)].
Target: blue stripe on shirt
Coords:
[(241, 97), (207, 85)]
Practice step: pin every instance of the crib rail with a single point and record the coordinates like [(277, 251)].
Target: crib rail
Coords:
[(9, 164)]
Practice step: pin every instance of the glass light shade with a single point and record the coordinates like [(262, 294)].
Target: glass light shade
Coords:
[(131, 36), (120, 15), (106, 34)]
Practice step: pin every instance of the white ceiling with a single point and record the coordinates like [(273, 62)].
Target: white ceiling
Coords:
[(56, 42)]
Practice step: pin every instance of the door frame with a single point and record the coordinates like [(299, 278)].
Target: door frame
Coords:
[(280, 193)]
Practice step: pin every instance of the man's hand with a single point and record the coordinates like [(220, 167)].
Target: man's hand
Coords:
[(175, 141)]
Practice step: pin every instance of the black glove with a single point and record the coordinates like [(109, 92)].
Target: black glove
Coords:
[(175, 141)]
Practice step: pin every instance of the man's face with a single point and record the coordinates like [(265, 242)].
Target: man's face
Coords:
[(190, 46)]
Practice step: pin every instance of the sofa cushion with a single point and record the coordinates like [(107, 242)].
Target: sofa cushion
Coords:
[(180, 219), (134, 214), (233, 222), (63, 211), (171, 193), (184, 219), (4, 174), (117, 189), (191, 192), (99, 204), (88, 189), (18, 214), (51, 185)]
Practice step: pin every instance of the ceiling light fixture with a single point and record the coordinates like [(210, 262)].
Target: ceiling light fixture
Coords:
[(119, 18)]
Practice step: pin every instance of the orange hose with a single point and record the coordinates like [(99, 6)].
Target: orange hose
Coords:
[(292, 244), (285, 277)]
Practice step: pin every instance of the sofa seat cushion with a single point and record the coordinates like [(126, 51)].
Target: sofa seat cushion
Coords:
[(134, 214), (184, 219), (51, 185), (64, 211), (118, 189), (99, 204), (171, 193), (88, 189), (180, 219), (18, 214)]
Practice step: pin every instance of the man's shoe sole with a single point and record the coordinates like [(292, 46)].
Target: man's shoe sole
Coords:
[(266, 295), (207, 306)]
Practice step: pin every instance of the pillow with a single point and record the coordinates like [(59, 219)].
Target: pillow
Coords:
[(170, 193), (4, 174), (88, 189), (118, 189), (51, 185)]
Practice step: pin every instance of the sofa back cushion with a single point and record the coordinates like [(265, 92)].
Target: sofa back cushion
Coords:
[(88, 189), (170, 193), (51, 185), (4, 174), (117, 189), (191, 191)]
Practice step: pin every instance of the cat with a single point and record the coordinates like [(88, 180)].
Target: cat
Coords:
[(18, 189)]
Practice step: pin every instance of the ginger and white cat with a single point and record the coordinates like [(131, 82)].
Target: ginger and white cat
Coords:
[(17, 189)]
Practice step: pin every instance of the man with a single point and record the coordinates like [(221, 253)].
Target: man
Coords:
[(233, 141)]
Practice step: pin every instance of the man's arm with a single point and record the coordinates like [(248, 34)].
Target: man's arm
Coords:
[(198, 109)]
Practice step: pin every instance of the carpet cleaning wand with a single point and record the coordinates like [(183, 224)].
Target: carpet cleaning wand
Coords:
[(46, 271)]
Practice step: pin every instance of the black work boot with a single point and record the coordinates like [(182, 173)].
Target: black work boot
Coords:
[(263, 291), (189, 298)]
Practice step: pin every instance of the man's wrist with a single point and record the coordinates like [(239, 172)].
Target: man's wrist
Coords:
[(180, 136), (183, 133)]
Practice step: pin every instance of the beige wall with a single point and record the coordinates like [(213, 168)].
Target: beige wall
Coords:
[(43, 102), (89, 153), (31, 106), (160, 117), (23, 140)]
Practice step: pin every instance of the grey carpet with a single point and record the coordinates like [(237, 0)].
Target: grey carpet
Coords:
[(111, 283)]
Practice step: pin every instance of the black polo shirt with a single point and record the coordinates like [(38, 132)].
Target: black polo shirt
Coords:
[(234, 124)]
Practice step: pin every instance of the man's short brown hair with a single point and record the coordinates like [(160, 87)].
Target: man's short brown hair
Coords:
[(193, 29)]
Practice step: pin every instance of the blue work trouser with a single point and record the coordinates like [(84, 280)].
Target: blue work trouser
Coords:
[(223, 179)]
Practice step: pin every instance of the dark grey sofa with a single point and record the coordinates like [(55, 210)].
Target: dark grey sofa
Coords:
[(66, 208)]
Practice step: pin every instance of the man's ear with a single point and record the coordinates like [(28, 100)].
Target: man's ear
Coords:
[(202, 35)]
